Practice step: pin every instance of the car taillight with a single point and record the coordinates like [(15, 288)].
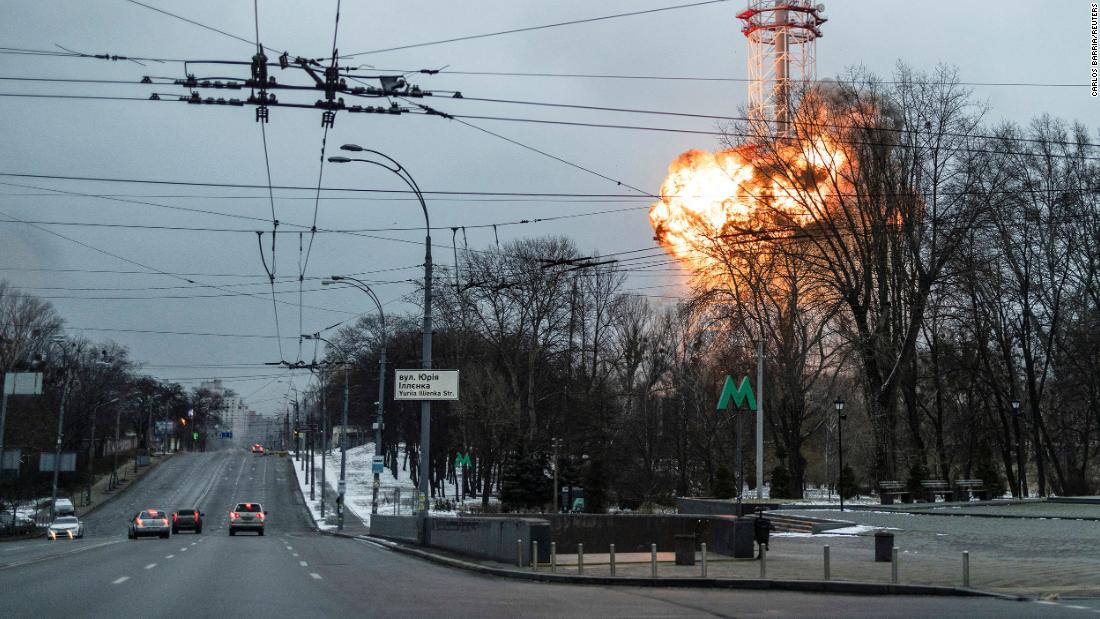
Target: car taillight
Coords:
[(260, 515), (165, 521), (233, 515), (175, 517), (140, 523), (196, 516)]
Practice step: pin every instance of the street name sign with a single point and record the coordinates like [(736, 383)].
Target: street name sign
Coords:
[(425, 385)]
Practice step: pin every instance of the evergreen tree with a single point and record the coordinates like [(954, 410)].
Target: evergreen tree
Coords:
[(595, 488), (781, 483), (723, 483), (847, 486)]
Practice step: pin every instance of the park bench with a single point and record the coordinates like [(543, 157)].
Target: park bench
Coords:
[(889, 489), (936, 487), (971, 488)]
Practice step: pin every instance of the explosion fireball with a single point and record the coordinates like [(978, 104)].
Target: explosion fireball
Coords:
[(708, 197)]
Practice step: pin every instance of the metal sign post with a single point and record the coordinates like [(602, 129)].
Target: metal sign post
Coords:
[(738, 396), (426, 385)]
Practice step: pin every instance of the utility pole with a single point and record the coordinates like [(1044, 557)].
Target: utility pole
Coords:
[(342, 486), (324, 439), (60, 429), (378, 423), (555, 443), (114, 452), (312, 449), (760, 416)]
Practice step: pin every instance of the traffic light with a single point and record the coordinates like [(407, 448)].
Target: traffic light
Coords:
[(195, 436), (183, 421)]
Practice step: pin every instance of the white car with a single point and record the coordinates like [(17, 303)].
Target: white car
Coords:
[(65, 527)]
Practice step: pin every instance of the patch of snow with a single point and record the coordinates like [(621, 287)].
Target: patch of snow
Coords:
[(396, 493)]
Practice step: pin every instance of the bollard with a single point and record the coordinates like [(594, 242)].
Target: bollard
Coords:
[(763, 562), (966, 568), (611, 551), (703, 546), (580, 558), (534, 555), (894, 565), (653, 560), (519, 553), (826, 562), (553, 556), (396, 501)]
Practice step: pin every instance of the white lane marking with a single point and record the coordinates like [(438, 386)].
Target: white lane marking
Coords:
[(315, 575), (193, 543), (290, 548), (303, 563), (183, 550), (294, 554), (1075, 607), (119, 581), (169, 556), (150, 566)]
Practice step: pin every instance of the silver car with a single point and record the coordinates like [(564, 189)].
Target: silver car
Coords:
[(247, 517), (65, 527), (149, 522)]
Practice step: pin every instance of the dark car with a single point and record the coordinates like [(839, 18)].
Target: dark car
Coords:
[(189, 519), (247, 517), (148, 523)]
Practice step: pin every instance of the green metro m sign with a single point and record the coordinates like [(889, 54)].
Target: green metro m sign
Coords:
[(739, 394)]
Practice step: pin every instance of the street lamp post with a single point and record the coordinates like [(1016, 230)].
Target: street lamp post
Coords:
[(380, 404), (60, 430), (841, 415), (426, 344), (1019, 449), (91, 454)]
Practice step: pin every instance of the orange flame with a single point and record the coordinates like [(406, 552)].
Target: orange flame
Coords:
[(709, 197)]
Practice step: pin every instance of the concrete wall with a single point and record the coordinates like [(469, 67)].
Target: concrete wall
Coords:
[(635, 532), (490, 538), (724, 507), (401, 528)]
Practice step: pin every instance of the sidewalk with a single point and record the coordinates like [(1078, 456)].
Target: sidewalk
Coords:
[(632, 574), (1007, 561), (353, 524)]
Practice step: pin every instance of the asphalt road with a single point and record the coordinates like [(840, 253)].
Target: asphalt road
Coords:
[(294, 572)]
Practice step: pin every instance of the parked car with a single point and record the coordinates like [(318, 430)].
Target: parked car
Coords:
[(149, 522), (187, 519), (247, 517), (258, 449), (21, 522), (63, 507), (65, 527)]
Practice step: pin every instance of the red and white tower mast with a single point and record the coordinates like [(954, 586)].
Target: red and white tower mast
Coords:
[(782, 38)]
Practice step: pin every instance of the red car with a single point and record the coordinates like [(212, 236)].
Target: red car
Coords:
[(257, 448)]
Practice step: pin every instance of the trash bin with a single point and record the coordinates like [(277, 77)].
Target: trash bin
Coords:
[(685, 549), (884, 546), (744, 537)]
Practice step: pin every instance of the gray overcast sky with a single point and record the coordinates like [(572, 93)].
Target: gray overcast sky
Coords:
[(1007, 41)]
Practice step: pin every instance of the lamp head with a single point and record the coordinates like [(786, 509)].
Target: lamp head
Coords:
[(339, 160), (355, 148), (1015, 405)]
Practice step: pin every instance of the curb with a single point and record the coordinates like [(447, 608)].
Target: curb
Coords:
[(810, 586)]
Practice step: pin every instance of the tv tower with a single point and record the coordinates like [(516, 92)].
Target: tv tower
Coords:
[(782, 38)]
